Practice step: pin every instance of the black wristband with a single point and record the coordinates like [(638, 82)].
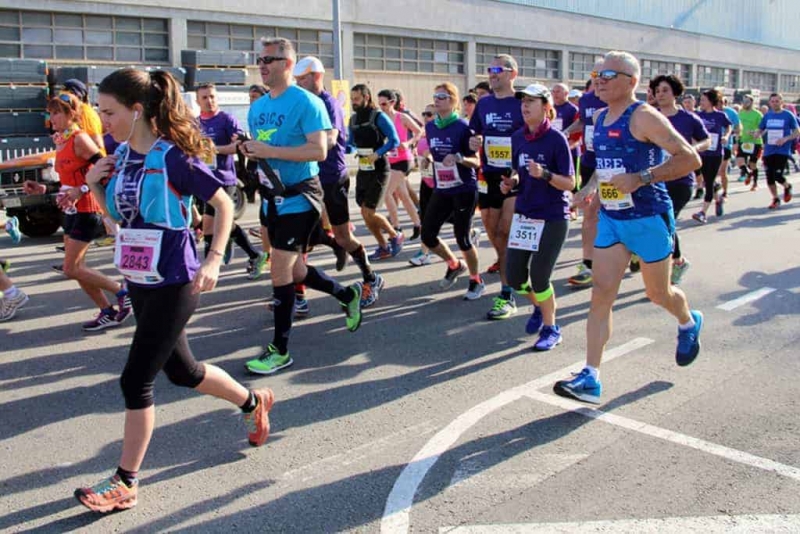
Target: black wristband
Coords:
[(547, 175), (97, 157)]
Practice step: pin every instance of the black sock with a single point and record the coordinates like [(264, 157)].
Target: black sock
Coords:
[(239, 237), (316, 279), (359, 256), (129, 478), (251, 402), (588, 264), (207, 239), (284, 309)]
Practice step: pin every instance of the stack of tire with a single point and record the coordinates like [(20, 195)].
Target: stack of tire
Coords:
[(23, 99), (227, 69)]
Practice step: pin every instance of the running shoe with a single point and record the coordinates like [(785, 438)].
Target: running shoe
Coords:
[(494, 268), (787, 193), (353, 308), (582, 278), (719, 210), (269, 362), (700, 217), (475, 290), (748, 179), (60, 248), (371, 291), (535, 321), (743, 177), (125, 308), (380, 253), (5, 265), (12, 227), (776, 203), (420, 258), (549, 337), (583, 387), (635, 266), (59, 268), (415, 234), (502, 309), (678, 270), (475, 238), (10, 305), (396, 244), (257, 421), (107, 495), (102, 321), (689, 341), (341, 256), (258, 266), (451, 275), (301, 307)]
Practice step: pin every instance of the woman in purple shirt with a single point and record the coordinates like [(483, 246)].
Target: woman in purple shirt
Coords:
[(719, 129)]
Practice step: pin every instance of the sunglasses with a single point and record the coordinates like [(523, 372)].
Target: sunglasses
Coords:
[(498, 70), (427, 114), (441, 96), (609, 74), (64, 98), (267, 60)]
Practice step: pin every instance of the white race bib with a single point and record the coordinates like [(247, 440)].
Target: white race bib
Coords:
[(136, 255), (588, 137), (363, 161), (748, 148), (714, 141), (525, 233), (425, 171), (558, 124), (498, 151), (483, 185), (612, 198), (773, 136), (447, 177)]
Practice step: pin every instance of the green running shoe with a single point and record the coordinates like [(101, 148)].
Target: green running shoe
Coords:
[(5, 265), (270, 362), (502, 309), (258, 266), (353, 309)]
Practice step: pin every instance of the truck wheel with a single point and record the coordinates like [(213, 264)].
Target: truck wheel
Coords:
[(239, 202), (39, 221)]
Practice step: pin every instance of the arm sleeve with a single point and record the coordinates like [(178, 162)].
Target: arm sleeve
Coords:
[(387, 128)]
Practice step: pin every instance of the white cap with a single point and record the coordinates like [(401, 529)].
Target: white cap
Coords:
[(307, 65), (536, 90), (574, 94)]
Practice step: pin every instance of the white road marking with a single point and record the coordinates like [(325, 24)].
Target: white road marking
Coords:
[(745, 299), (398, 505), (721, 524), (473, 472)]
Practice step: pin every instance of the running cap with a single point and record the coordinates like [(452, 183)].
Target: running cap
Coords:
[(575, 93), (76, 87), (748, 97), (308, 65), (536, 90)]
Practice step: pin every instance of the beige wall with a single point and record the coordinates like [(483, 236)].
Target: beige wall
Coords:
[(416, 88)]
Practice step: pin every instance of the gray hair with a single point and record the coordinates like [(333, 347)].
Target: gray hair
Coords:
[(626, 58), (508, 61), (564, 86), (285, 46)]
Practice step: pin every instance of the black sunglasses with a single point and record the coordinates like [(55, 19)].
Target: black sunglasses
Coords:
[(266, 60), (427, 114), (609, 74)]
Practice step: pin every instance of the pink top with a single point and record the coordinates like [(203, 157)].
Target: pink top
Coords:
[(400, 153)]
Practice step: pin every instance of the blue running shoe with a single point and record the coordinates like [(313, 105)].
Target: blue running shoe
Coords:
[(583, 387), (396, 244), (370, 291), (12, 227), (549, 337), (689, 341), (534, 323)]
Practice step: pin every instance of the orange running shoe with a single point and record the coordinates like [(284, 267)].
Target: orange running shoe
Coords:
[(257, 421), (108, 495)]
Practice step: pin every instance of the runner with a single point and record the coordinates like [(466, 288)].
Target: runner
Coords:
[(310, 75), (689, 103), (566, 114), (224, 131), (545, 176), (482, 89), (635, 217), (426, 185), (736, 131), (456, 190), (156, 173), (719, 129), (750, 147), (89, 120), (779, 128), (496, 117), (290, 128), (469, 102), (667, 89), (373, 135), (400, 160)]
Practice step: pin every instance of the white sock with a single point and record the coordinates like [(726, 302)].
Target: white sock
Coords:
[(594, 371), (11, 292), (689, 325)]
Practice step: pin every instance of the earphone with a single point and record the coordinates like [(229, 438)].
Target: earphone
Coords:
[(135, 115)]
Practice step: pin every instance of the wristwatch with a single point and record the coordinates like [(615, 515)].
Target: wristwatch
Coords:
[(84, 189), (646, 176), (547, 175)]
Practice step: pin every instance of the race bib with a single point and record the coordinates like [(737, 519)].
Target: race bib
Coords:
[(748, 148), (211, 161), (136, 255), (714, 141), (558, 124), (612, 198), (588, 137), (447, 177), (773, 136), (483, 186), (525, 233), (498, 151), (364, 163)]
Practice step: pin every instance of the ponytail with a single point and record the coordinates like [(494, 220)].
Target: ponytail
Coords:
[(172, 118)]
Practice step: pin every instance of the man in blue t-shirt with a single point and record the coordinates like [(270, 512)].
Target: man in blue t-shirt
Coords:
[(290, 127), (779, 129)]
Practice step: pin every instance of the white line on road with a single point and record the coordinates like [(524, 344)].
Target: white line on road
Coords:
[(745, 299), (398, 505)]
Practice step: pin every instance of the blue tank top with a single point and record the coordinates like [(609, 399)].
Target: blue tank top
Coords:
[(618, 151)]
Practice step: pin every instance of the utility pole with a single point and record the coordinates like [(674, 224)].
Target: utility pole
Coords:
[(337, 41)]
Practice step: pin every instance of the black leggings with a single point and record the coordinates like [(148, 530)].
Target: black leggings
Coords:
[(709, 170), (160, 343), (521, 264), (461, 206), (776, 166), (680, 194)]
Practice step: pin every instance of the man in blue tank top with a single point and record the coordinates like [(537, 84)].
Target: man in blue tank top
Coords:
[(635, 215)]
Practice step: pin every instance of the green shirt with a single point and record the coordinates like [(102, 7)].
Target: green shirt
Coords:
[(750, 121)]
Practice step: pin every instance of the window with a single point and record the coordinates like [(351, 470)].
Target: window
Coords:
[(70, 38), (392, 53), (708, 76), (242, 37), (532, 62), (581, 65), (763, 81), (790, 83), (652, 68)]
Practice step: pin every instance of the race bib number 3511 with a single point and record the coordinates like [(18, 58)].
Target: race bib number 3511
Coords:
[(526, 234)]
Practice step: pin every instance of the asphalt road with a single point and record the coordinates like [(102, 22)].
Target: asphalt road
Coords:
[(429, 418)]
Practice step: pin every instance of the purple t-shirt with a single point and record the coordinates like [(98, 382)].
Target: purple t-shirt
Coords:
[(588, 104), (566, 114), (538, 199), (691, 128), (715, 123), (451, 139), (220, 129), (188, 176), (334, 165), (109, 144), (497, 118)]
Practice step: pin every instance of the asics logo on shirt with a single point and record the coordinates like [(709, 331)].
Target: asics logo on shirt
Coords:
[(265, 135)]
